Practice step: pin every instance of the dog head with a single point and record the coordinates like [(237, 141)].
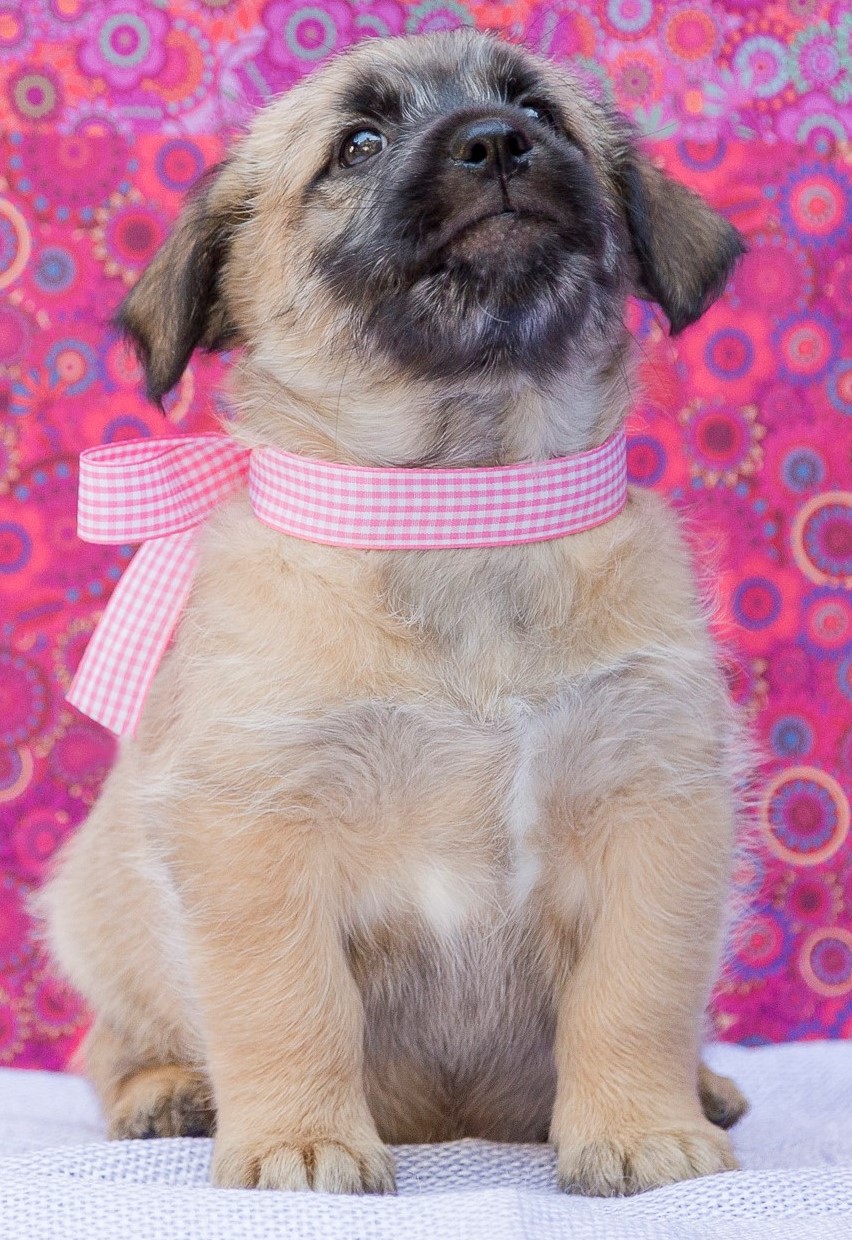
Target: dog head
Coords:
[(424, 233)]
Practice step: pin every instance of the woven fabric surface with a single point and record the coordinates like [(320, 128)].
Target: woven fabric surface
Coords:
[(58, 1177), (110, 110)]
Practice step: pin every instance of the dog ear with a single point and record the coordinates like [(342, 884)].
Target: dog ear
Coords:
[(685, 251), (178, 303)]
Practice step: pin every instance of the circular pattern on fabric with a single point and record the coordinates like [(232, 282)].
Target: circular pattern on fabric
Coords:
[(729, 353), (55, 269), (804, 815), (760, 63), (807, 345), (826, 961), (775, 272), (723, 441), (816, 63), (73, 364), (813, 898), (179, 163), (128, 236), (802, 469), (23, 698), (124, 40), (793, 666), (35, 94), (761, 946), (791, 737), (36, 837), (15, 243), (814, 203), (821, 538), (125, 47), (646, 460), (636, 79), (300, 35), (827, 621), (757, 603), (691, 33), (310, 33)]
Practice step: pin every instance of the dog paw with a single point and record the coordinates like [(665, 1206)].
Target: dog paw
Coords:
[(327, 1166), (615, 1167), (721, 1100), (167, 1101)]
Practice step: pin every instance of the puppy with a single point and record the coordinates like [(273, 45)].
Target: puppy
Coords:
[(412, 846)]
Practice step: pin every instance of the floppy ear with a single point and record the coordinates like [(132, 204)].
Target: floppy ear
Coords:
[(685, 251), (178, 302)]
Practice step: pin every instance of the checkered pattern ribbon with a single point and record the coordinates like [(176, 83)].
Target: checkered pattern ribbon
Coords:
[(159, 492)]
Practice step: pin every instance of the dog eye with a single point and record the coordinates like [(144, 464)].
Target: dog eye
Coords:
[(539, 112), (360, 145)]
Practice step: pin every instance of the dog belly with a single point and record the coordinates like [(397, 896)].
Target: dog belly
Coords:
[(458, 1035)]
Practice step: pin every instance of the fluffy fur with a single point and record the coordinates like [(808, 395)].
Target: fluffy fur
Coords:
[(419, 845)]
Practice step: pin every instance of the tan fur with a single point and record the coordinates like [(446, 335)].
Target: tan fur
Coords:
[(409, 846)]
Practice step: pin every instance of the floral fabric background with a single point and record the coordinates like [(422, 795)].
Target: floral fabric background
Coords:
[(110, 110)]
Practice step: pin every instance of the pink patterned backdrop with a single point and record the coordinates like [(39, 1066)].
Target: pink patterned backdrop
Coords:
[(110, 110)]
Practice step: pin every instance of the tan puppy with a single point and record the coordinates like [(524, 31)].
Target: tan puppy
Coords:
[(420, 845)]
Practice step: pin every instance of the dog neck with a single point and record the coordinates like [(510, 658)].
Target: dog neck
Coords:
[(364, 419)]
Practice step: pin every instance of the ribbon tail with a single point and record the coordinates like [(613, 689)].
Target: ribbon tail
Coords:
[(124, 652)]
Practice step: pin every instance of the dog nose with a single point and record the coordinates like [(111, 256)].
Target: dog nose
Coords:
[(490, 146)]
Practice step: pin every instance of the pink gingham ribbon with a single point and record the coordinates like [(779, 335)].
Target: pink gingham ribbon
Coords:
[(158, 492)]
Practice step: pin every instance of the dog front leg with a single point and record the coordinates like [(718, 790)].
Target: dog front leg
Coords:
[(627, 1115), (281, 1013)]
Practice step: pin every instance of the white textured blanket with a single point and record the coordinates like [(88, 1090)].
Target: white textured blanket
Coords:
[(59, 1180)]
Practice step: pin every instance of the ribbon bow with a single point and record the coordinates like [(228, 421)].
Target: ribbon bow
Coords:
[(159, 492)]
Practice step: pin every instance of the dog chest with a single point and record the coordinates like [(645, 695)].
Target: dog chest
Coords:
[(444, 812)]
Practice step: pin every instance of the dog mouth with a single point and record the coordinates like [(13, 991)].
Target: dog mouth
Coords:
[(486, 233)]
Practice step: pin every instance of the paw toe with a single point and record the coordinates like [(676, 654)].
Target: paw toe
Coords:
[(721, 1100), (327, 1166), (617, 1168), (167, 1102)]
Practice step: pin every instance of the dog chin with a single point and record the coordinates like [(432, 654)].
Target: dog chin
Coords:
[(500, 296)]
